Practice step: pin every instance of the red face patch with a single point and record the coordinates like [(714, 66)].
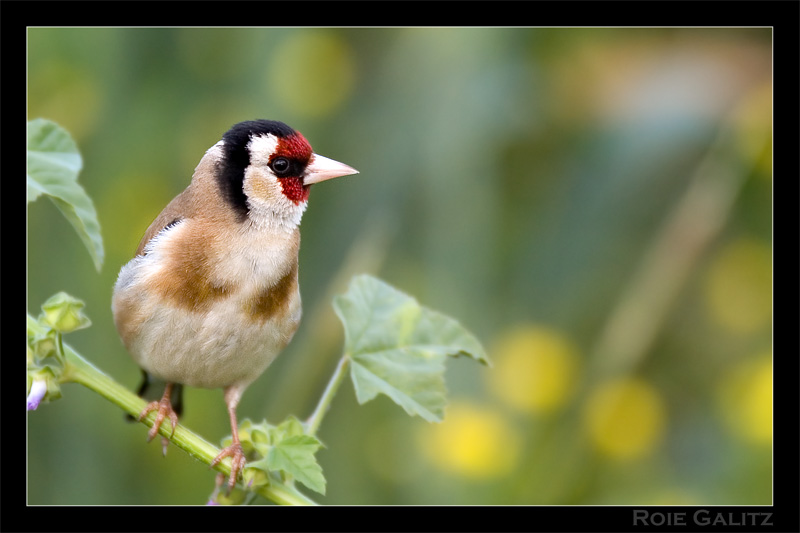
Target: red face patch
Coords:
[(296, 149), (294, 189)]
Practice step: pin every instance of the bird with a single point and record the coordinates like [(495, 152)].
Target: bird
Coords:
[(211, 296)]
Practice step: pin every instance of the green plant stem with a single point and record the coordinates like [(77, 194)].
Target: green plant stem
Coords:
[(79, 370), (313, 422)]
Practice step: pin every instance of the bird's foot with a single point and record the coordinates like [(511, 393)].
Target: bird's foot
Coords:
[(163, 410), (236, 453)]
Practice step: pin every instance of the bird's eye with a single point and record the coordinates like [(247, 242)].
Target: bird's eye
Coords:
[(280, 165)]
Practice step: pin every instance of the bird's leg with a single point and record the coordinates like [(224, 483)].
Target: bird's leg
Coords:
[(234, 451), (164, 409)]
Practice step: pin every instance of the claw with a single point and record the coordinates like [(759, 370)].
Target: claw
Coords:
[(238, 460), (163, 410)]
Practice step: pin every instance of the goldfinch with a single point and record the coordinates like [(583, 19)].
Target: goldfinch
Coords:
[(211, 296)]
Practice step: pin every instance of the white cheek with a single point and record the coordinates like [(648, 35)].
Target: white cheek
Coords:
[(268, 205)]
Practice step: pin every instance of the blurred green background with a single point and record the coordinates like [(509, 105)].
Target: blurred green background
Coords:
[(594, 204)]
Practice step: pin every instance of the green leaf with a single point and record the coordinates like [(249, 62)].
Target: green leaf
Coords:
[(283, 448), (398, 347), (295, 456), (53, 166)]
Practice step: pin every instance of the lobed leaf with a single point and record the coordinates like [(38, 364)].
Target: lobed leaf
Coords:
[(295, 456), (398, 347), (282, 448)]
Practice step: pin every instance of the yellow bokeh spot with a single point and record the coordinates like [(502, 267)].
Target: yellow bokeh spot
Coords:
[(472, 441), (738, 287), (625, 418), (312, 72), (535, 369), (745, 395)]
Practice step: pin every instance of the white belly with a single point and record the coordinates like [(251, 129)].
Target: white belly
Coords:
[(185, 334), (216, 349)]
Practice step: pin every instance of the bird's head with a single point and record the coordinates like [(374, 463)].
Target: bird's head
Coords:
[(265, 169)]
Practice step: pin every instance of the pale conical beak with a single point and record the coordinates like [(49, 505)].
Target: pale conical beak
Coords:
[(322, 168)]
